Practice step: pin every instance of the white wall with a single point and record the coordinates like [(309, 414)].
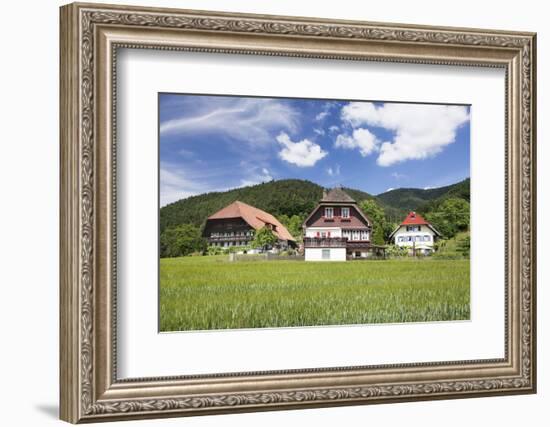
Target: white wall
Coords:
[(424, 230), (334, 231), (316, 254), (29, 170)]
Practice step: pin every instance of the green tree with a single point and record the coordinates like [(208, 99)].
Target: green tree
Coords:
[(451, 217), (293, 224), (463, 246), (379, 225), (181, 240), (264, 238)]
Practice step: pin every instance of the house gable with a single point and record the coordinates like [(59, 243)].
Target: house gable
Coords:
[(414, 220), (356, 218)]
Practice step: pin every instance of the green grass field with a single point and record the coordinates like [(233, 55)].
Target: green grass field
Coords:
[(199, 293)]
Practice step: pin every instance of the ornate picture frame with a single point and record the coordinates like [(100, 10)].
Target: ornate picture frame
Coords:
[(90, 37)]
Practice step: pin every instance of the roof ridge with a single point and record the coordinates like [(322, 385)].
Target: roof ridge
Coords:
[(337, 195)]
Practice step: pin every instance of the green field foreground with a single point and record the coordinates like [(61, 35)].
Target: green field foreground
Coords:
[(201, 293)]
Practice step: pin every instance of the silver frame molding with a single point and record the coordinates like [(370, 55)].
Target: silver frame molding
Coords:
[(90, 37)]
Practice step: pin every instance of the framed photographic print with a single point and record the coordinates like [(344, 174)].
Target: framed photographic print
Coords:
[(266, 212)]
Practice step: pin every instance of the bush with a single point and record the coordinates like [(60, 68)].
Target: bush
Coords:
[(456, 248), (394, 251), (214, 250), (181, 240)]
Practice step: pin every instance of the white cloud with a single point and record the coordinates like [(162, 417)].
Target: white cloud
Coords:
[(428, 188), (361, 138), (319, 131), (247, 119), (334, 171), (421, 130), (334, 128), (321, 115), (177, 182), (398, 175), (389, 189), (327, 107), (303, 153), (174, 186), (257, 178), (186, 153)]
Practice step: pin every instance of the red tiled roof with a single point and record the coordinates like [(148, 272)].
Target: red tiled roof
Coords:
[(255, 217), (414, 219)]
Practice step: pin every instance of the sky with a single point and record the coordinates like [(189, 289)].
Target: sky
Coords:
[(216, 143)]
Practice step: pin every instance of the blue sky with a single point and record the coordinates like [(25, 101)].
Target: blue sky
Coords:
[(215, 143)]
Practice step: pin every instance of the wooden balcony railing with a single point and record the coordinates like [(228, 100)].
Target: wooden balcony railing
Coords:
[(325, 242), (229, 238), (334, 242)]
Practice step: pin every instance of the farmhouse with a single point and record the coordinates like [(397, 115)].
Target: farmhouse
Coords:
[(235, 225), (416, 234), (337, 230)]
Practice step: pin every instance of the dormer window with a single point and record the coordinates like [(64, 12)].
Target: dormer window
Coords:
[(345, 212), (329, 213)]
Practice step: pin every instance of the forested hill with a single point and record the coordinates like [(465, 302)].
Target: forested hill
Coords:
[(298, 197), (283, 197), (410, 199)]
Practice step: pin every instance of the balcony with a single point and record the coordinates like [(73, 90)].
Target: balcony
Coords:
[(358, 244), (335, 242), (234, 238), (325, 242)]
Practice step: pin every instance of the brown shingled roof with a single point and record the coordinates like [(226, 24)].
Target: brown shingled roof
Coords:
[(255, 217), (337, 195)]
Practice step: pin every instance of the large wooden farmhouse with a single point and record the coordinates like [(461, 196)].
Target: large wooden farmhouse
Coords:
[(337, 230), (235, 225), (416, 234)]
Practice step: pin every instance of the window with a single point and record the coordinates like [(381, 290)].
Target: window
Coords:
[(345, 212), (325, 254), (426, 238), (329, 213), (413, 228)]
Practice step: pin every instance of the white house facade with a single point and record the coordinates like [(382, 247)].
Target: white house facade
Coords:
[(415, 234), (337, 230)]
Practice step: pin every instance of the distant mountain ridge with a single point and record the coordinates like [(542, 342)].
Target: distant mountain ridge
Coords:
[(299, 197), (411, 199)]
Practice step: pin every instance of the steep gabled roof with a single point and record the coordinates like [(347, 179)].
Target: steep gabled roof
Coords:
[(337, 195), (414, 219), (255, 217)]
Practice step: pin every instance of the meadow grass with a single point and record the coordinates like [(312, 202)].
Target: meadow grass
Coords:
[(201, 293)]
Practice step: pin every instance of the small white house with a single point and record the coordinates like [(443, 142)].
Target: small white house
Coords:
[(416, 234)]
